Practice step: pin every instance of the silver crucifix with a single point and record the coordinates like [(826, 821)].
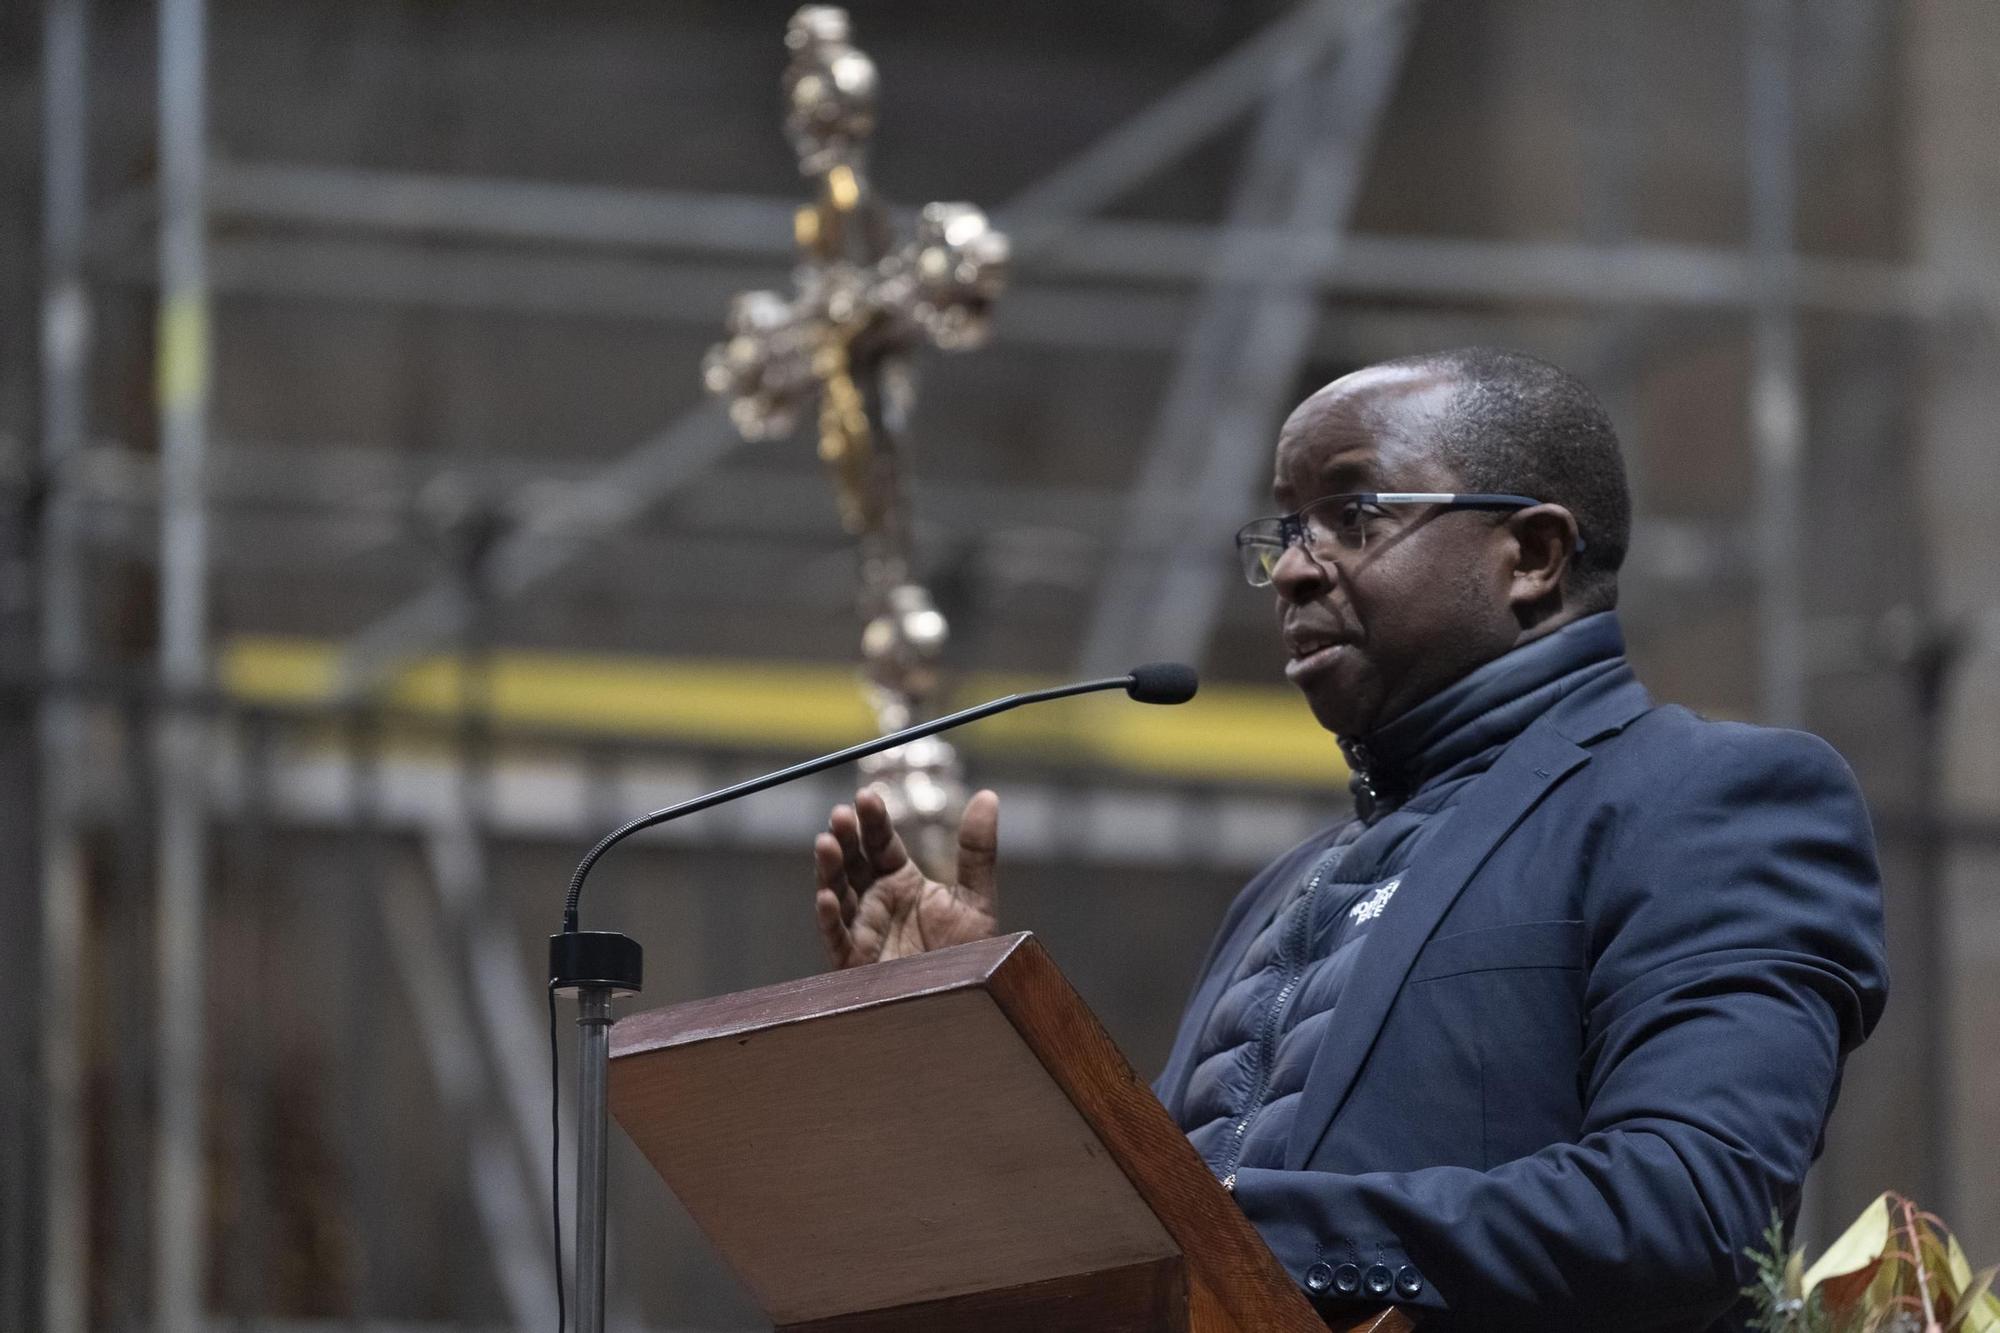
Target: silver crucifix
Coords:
[(861, 305)]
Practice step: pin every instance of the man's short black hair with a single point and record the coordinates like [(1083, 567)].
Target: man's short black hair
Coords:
[(1518, 424)]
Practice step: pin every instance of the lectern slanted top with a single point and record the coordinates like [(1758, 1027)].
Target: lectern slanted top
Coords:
[(949, 1140)]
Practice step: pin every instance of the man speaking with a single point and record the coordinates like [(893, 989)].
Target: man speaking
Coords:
[(1544, 1034)]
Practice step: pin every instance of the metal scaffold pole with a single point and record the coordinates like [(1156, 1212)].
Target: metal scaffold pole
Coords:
[(182, 381), (65, 344), (1777, 397)]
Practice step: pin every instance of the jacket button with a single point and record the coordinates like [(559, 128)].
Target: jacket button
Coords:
[(1377, 1281), (1319, 1278), (1409, 1283), (1347, 1279)]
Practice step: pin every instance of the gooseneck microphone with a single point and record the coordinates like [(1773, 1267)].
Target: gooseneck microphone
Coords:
[(597, 965), (1154, 683)]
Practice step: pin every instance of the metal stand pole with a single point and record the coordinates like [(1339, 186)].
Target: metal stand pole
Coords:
[(593, 1016), (595, 966)]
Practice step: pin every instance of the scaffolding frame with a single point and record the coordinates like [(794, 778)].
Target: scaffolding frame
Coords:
[(1296, 265)]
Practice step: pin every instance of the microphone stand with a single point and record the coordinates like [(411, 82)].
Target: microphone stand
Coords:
[(593, 1016), (598, 965), (594, 966)]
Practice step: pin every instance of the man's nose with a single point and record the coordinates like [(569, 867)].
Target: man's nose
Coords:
[(1297, 576)]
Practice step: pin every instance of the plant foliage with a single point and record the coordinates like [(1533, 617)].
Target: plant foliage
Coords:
[(1898, 1269)]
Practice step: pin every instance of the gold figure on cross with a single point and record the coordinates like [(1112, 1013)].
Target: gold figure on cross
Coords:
[(861, 306)]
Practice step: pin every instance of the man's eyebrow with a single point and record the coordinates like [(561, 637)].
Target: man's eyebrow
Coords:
[(1349, 476)]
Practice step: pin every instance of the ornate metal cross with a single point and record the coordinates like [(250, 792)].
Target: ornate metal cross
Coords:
[(861, 306)]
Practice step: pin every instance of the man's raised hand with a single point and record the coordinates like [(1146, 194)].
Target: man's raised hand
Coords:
[(874, 902)]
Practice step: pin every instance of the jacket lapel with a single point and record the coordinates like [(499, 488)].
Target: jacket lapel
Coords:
[(1487, 813)]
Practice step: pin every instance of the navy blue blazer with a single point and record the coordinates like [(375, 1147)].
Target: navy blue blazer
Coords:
[(1593, 1041)]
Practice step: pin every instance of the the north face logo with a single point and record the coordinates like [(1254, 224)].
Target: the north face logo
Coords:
[(1371, 907)]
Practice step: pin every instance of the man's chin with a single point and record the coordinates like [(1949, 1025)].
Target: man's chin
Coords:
[(1342, 707)]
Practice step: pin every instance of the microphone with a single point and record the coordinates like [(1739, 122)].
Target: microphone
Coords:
[(1161, 683), (1154, 683)]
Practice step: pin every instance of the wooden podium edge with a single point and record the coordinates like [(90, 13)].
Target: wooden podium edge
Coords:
[(821, 995), (1224, 1254)]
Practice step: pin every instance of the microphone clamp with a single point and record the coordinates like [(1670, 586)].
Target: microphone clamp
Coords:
[(599, 959)]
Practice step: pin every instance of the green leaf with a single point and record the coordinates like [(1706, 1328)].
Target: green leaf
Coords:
[(1859, 1247), (1978, 1311)]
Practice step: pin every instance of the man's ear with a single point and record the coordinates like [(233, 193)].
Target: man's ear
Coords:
[(1545, 540)]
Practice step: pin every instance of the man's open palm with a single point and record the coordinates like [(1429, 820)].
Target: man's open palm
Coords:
[(874, 902)]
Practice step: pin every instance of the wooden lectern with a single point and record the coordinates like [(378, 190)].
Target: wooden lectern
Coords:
[(947, 1141)]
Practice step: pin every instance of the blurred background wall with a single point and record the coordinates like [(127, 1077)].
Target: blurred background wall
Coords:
[(302, 738)]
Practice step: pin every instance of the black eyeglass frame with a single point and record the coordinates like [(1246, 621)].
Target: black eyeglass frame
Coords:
[(1292, 527)]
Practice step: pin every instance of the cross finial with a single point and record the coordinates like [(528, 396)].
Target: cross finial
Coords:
[(860, 305)]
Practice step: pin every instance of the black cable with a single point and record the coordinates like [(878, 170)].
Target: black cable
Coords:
[(555, 1154)]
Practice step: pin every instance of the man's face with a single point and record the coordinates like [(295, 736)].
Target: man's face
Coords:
[(1371, 634)]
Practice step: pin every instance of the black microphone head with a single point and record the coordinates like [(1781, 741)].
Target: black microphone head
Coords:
[(1163, 683)]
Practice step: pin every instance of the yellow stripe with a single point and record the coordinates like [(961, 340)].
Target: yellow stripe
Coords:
[(1227, 733), (181, 360)]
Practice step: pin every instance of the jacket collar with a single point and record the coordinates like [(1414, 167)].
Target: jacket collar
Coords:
[(1463, 727)]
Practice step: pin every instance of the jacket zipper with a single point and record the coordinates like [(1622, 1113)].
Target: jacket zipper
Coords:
[(1297, 936), (1367, 794)]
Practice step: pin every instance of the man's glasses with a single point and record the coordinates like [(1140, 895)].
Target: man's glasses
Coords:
[(1337, 525)]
